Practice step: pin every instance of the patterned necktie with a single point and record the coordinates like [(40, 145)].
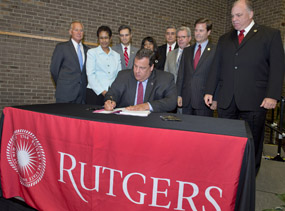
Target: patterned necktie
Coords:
[(197, 57), (178, 60), (140, 94), (126, 56), (80, 58), (240, 36)]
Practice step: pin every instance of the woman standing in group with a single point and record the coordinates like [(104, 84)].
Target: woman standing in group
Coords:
[(102, 67), (150, 43)]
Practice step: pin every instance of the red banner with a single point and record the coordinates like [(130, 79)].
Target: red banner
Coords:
[(60, 163)]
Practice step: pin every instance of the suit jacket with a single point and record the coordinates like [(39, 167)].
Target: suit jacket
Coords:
[(170, 63), (162, 56), (249, 72), (191, 83), (70, 81), (160, 90), (133, 52)]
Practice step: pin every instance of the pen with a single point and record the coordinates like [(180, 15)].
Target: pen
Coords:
[(111, 98)]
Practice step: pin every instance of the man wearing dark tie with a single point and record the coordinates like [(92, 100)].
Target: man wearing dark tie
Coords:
[(163, 50), (143, 88), (193, 71), (248, 70), (68, 67), (125, 49)]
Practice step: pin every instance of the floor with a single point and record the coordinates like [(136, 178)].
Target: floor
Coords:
[(270, 180)]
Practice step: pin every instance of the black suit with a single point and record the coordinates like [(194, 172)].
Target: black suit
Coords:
[(191, 83), (246, 74), (70, 81), (160, 90), (162, 56)]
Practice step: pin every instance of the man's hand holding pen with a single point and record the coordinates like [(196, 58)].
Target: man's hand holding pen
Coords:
[(110, 104)]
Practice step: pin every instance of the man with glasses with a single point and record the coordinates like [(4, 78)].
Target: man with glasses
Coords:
[(174, 57)]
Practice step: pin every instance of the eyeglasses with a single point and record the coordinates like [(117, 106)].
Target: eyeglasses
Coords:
[(181, 37)]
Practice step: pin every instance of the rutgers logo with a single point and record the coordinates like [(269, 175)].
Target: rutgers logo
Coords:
[(26, 156)]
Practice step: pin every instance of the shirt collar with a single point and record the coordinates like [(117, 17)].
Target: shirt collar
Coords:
[(248, 28), (75, 43), (103, 52), (123, 46), (172, 46), (203, 44)]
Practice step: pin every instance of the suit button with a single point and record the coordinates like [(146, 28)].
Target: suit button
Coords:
[(236, 54), (236, 67)]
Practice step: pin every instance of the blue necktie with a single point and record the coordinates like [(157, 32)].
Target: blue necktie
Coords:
[(80, 58)]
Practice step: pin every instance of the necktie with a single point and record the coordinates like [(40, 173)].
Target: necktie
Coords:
[(169, 48), (140, 94), (240, 36), (126, 56), (178, 60), (79, 54), (197, 57)]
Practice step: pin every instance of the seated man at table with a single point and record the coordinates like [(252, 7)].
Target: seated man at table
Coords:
[(142, 88)]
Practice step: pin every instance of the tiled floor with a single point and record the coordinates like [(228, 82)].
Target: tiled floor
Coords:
[(270, 180)]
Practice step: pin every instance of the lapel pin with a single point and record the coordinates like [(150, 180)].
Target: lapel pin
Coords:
[(255, 30), (208, 49), (151, 83)]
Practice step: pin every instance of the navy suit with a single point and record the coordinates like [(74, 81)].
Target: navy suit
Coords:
[(65, 69)]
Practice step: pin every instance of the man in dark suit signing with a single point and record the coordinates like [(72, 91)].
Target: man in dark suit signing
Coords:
[(143, 88), (68, 67), (193, 71), (248, 70)]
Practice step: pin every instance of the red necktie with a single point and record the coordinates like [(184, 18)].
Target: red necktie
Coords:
[(240, 36), (169, 48), (197, 57), (140, 94), (126, 56)]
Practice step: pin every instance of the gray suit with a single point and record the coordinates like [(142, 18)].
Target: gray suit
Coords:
[(191, 83), (160, 90), (118, 48), (70, 81), (170, 64)]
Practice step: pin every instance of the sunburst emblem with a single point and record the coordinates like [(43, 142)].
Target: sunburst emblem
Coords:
[(26, 156)]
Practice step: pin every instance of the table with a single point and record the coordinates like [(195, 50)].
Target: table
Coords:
[(64, 157)]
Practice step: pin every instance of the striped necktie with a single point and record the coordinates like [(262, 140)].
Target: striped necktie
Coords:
[(126, 56)]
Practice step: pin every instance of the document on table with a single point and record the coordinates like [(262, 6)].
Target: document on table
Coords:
[(123, 111)]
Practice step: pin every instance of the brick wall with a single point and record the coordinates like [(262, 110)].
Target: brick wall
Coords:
[(24, 63)]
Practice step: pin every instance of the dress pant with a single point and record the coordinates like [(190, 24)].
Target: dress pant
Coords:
[(80, 99), (198, 112), (93, 99), (256, 122)]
